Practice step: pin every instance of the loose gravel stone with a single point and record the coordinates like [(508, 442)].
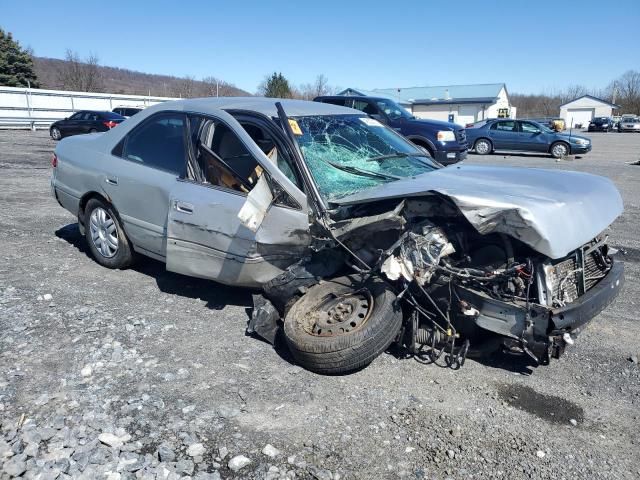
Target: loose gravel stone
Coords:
[(195, 450), (270, 451), (238, 462)]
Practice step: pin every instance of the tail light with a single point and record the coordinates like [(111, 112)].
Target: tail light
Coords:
[(54, 160), (110, 124)]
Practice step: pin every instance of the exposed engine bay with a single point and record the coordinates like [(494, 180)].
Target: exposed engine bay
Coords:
[(459, 290)]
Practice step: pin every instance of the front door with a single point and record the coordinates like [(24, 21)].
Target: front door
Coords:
[(532, 137), (205, 236)]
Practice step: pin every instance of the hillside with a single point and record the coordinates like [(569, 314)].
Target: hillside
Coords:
[(120, 80)]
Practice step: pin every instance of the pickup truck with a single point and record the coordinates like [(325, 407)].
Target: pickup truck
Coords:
[(446, 142)]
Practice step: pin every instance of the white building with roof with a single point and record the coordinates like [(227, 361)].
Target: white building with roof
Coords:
[(460, 104), (581, 110)]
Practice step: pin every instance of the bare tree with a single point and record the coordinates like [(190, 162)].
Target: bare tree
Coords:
[(319, 87), (186, 88), (626, 89), (80, 75), (214, 87)]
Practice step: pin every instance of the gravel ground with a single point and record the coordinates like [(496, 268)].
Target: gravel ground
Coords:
[(147, 374)]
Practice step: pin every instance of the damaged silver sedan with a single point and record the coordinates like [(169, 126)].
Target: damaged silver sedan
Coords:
[(355, 237)]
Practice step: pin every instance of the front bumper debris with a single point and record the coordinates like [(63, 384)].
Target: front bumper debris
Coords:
[(539, 328)]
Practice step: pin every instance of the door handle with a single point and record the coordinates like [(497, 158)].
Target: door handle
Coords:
[(183, 207), (111, 180)]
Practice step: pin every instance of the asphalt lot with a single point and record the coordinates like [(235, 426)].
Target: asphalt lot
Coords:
[(161, 362)]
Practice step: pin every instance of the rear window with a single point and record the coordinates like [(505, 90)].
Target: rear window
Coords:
[(335, 101), (111, 116)]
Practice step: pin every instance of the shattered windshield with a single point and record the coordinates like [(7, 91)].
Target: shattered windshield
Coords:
[(349, 153)]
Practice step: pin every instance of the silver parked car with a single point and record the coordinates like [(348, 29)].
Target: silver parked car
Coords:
[(356, 237), (629, 124)]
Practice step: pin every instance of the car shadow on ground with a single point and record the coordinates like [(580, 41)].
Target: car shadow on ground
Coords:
[(216, 295)]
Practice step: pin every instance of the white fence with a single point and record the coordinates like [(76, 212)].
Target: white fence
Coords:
[(30, 107)]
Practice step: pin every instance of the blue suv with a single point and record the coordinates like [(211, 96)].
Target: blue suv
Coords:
[(446, 142)]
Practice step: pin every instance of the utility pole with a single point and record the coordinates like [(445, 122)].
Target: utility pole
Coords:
[(217, 88)]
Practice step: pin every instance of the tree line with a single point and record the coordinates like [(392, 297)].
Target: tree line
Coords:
[(623, 91)]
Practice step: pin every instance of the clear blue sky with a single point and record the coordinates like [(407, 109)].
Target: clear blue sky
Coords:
[(530, 45)]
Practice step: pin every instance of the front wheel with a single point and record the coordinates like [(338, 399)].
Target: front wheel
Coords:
[(55, 133), (343, 324), (483, 146), (107, 241), (559, 150)]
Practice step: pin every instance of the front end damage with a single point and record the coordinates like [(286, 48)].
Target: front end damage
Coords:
[(460, 291)]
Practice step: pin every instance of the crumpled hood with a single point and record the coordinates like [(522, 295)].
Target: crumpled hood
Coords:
[(552, 211)]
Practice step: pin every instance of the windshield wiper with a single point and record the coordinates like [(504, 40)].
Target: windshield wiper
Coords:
[(362, 172), (396, 155)]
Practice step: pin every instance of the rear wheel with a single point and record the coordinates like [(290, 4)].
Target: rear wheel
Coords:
[(55, 133), (107, 241), (483, 146), (93, 130), (559, 150), (342, 324)]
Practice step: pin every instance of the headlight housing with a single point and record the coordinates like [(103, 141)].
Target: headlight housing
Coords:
[(446, 136), (582, 141)]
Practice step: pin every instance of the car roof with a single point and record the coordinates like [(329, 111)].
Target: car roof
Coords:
[(357, 97), (265, 106)]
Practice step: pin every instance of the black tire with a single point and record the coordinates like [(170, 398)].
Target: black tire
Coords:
[(483, 146), (55, 133), (348, 350), (123, 255), (559, 149), (93, 130)]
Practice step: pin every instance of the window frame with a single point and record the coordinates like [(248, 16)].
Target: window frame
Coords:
[(120, 148), (522, 122), (271, 181), (495, 126)]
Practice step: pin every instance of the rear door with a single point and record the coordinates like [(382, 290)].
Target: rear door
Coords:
[(504, 135), (205, 236), (150, 159)]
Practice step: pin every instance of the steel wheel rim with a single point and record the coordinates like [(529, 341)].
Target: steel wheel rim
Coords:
[(55, 133), (560, 150), (482, 147), (338, 315), (104, 232)]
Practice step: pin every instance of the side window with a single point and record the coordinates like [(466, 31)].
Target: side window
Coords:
[(219, 156), (76, 116), (365, 107), (335, 101), (92, 116), (528, 127), (158, 143), (504, 126), (274, 149)]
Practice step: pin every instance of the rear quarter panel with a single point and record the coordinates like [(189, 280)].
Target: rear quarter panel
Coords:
[(78, 170)]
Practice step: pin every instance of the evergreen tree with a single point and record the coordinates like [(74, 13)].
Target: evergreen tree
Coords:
[(16, 63), (276, 86)]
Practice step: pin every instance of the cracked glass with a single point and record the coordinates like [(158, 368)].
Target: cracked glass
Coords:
[(350, 153)]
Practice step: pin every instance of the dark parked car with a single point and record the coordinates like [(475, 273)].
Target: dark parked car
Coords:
[(85, 121), (446, 142), (525, 136), (600, 124)]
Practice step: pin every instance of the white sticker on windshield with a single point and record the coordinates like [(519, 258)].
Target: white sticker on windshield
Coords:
[(372, 122)]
